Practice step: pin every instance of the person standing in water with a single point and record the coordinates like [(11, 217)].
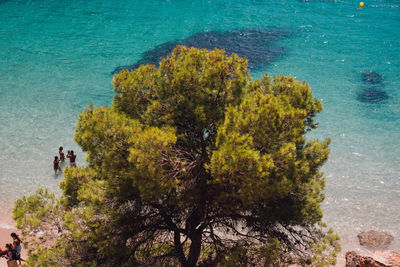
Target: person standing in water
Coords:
[(60, 151), (72, 158), (56, 164)]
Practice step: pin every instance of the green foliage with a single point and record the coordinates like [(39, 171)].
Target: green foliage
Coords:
[(35, 213), (40, 218), (195, 163), (237, 256), (326, 250)]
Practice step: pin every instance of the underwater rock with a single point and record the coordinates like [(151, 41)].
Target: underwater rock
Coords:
[(373, 88), (257, 45), (371, 78), (375, 239), (371, 95)]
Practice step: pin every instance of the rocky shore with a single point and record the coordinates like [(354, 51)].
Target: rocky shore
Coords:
[(373, 240), (379, 258)]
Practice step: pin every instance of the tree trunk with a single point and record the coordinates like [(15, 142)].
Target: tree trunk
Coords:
[(195, 231), (195, 249), (179, 249)]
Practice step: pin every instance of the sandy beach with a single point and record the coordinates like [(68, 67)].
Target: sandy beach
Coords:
[(6, 238), (7, 226)]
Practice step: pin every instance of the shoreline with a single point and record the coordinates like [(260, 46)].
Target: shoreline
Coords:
[(348, 244), (6, 220), (348, 240), (6, 230)]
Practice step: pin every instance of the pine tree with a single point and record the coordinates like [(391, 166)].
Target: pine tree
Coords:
[(194, 164)]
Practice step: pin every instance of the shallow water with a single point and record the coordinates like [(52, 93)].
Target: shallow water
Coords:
[(56, 57)]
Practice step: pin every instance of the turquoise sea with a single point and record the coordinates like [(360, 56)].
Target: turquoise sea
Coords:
[(56, 57)]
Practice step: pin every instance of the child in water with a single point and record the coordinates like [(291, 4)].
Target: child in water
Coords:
[(56, 164), (60, 151)]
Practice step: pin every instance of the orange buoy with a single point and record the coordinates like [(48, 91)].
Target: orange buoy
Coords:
[(361, 4)]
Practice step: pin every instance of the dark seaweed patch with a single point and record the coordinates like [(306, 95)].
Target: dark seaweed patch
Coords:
[(256, 45), (373, 96), (373, 89), (372, 78)]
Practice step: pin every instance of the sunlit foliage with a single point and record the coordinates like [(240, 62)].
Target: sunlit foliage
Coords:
[(194, 164)]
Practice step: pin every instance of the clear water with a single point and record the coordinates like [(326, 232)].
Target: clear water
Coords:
[(56, 57)]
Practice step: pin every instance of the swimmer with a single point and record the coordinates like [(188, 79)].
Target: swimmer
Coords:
[(56, 165), (60, 151)]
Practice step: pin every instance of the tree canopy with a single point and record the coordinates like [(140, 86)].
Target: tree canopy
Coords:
[(194, 164)]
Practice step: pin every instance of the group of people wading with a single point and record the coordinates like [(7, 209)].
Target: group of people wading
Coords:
[(57, 160), (12, 251)]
